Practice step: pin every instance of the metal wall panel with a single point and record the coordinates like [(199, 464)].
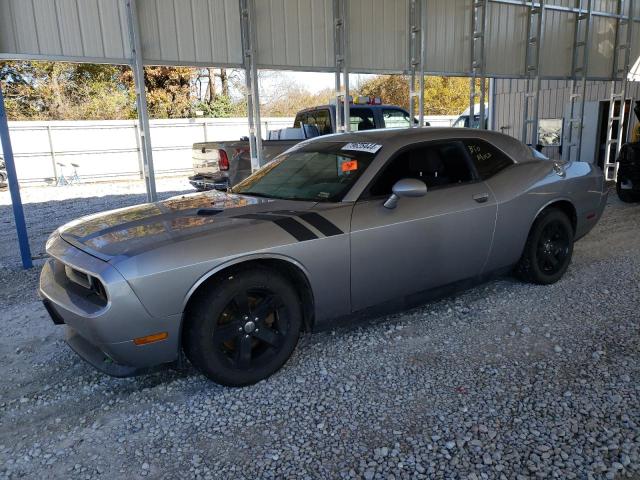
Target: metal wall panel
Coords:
[(506, 22), (190, 32), (562, 3), (448, 25), (378, 35), (554, 96), (89, 30), (608, 6), (603, 38), (298, 34), (557, 48), (295, 33)]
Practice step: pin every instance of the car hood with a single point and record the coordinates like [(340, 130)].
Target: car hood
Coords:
[(131, 230)]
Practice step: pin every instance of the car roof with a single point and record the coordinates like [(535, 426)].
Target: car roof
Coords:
[(400, 137)]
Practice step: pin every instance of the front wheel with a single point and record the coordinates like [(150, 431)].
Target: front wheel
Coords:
[(243, 327), (548, 250)]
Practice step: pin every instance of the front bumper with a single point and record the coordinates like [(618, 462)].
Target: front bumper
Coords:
[(103, 333), (203, 182)]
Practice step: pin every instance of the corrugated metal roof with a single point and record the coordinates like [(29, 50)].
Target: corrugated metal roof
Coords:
[(557, 48), (378, 40), (75, 29), (295, 33), (190, 32), (448, 25), (298, 34), (506, 22), (603, 38)]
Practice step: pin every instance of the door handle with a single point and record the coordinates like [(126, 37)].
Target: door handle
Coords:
[(481, 197)]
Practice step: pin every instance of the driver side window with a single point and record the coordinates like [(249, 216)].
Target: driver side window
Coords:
[(437, 165)]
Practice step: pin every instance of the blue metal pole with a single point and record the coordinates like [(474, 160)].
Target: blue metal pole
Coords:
[(14, 188)]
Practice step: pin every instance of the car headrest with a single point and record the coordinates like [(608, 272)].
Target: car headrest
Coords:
[(365, 124), (291, 133)]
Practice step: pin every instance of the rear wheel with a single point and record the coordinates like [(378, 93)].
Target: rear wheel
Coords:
[(626, 194), (548, 250), (243, 328)]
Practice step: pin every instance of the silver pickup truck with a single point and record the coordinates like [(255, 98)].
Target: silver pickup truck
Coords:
[(220, 165)]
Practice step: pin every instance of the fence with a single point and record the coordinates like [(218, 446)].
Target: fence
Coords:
[(109, 149), (105, 149)]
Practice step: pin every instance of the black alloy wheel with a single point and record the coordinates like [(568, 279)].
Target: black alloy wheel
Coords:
[(243, 327), (553, 247), (548, 250), (251, 329)]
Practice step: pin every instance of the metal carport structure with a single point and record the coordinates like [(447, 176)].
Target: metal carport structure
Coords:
[(578, 40)]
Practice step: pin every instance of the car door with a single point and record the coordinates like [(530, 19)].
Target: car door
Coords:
[(424, 242)]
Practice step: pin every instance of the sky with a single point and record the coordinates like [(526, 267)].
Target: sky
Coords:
[(314, 81)]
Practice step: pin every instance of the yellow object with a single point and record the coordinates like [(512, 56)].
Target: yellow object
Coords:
[(635, 136), (156, 337)]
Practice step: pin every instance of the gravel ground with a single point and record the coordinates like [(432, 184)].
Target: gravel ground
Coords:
[(506, 380)]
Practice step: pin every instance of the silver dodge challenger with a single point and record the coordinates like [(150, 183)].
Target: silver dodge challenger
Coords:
[(337, 227)]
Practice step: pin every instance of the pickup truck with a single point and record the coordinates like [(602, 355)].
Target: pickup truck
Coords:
[(220, 165)]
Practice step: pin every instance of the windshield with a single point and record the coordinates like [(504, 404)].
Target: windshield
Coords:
[(319, 172)]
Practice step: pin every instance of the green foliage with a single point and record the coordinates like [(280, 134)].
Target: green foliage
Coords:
[(442, 95), (70, 91), (221, 107), (293, 99), (65, 91)]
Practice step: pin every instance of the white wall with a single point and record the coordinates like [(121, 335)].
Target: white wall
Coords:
[(105, 149)]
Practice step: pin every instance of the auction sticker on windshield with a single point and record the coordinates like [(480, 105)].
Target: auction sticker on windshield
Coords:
[(362, 147)]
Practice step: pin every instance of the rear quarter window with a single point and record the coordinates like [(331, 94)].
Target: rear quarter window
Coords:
[(487, 159)]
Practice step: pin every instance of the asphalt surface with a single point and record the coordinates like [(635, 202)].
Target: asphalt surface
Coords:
[(507, 380)]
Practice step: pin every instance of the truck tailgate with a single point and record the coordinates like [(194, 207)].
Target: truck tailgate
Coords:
[(205, 159)]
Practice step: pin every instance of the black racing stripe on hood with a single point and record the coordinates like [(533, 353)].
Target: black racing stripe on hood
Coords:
[(319, 222), (295, 228), (288, 224)]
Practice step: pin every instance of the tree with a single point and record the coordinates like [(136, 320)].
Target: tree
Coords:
[(169, 91), (65, 91), (442, 96)]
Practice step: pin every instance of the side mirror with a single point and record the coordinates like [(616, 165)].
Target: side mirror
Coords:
[(407, 187)]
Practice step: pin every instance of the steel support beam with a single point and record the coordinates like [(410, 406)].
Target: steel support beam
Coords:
[(479, 20), (535, 38), (579, 70), (340, 49), (423, 58), (417, 12), (14, 187), (141, 100), (248, 35), (491, 117)]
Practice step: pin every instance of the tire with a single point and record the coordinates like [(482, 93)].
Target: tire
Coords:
[(547, 253), (626, 196), (243, 328)]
